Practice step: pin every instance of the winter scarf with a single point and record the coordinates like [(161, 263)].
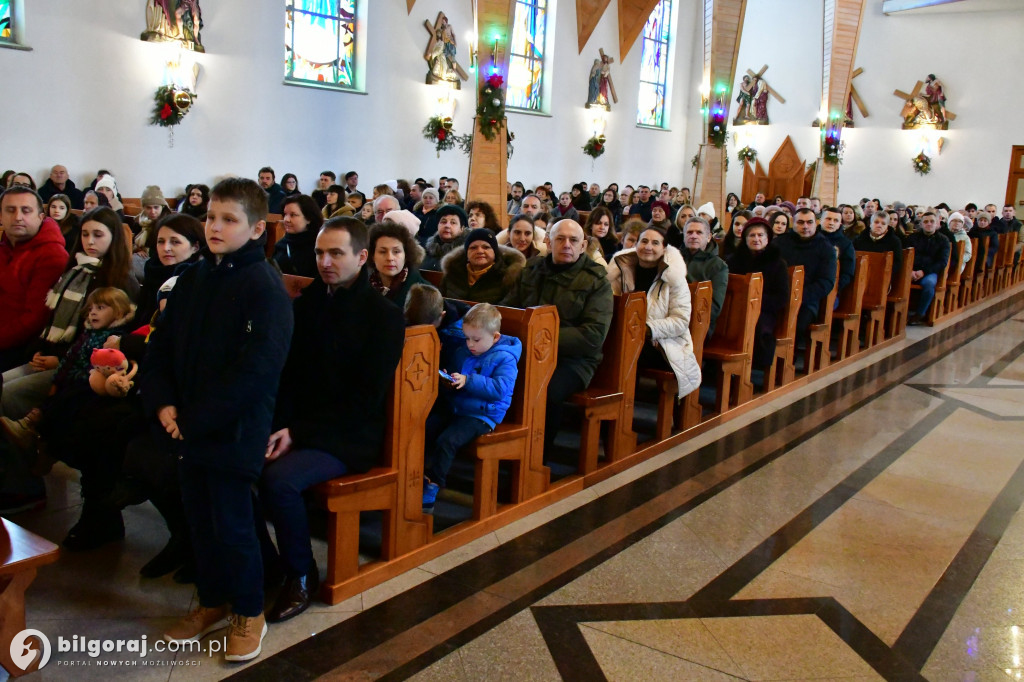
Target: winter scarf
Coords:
[(67, 297)]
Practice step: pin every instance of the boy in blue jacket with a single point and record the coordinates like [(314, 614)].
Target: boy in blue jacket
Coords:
[(488, 364)]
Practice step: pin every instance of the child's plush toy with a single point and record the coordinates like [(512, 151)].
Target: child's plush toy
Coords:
[(110, 375)]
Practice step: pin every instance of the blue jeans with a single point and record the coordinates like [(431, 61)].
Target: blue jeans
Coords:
[(23, 389), (449, 433), (927, 283), (281, 488)]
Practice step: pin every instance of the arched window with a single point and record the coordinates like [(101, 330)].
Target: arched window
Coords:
[(655, 67), (321, 43), (526, 66)]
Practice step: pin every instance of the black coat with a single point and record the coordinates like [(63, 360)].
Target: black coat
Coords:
[(846, 253), (294, 254), (774, 296), (889, 242), (931, 252), (156, 273), (217, 357), (818, 258), (275, 198), (993, 242), (48, 189), (342, 362)]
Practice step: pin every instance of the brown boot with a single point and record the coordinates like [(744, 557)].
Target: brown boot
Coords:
[(197, 624), (245, 638), (20, 433)]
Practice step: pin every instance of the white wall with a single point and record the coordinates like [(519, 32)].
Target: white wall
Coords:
[(83, 96)]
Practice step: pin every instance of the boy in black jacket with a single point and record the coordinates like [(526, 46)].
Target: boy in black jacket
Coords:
[(210, 376)]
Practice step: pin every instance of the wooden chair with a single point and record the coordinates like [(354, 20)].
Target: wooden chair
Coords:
[(610, 394), (898, 301), (935, 310), (732, 346), (294, 284), (873, 309), (396, 486), (953, 278), (817, 355), (967, 277), (519, 439), (433, 276), (783, 368), (686, 413), (847, 315), (21, 555)]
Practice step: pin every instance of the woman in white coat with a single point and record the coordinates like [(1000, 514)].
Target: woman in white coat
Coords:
[(659, 269)]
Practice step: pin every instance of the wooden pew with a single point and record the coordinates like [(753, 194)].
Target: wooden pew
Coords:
[(953, 278), (686, 412), (732, 346), (610, 394), (783, 368), (1004, 260), (847, 315), (396, 486), (967, 277), (275, 233), (433, 276), (898, 301), (981, 271), (817, 356), (519, 439), (21, 554), (873, 310), (935, 310)]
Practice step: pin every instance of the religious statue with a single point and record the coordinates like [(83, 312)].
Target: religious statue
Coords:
[(601, 90), (760, 101), (744, 99), (753, 101), (926, 105), (174, 20), (933, 90), (440, 54)]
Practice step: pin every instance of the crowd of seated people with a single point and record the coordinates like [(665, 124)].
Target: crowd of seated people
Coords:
[(239, 387)]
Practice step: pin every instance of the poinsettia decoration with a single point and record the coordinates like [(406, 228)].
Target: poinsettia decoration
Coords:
[(594, 146), (490, 109), (439, 131), (171, 104)]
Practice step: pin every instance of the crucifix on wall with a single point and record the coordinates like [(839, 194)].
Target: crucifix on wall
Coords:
[(854, 98), (925, 110), (601, 90), (440, 54), (753, 99)]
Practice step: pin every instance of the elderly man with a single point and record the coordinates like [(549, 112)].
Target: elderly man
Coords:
[(384, 204), (32, 259), (703, 264), (531, 206), (804, 246), (931, 257), (59, 183), (595, 194), (579, 288)]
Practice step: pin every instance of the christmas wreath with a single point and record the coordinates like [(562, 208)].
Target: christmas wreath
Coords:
[(922, 164), (832, 153), (439, 131), (716, 132), (746, 154), (491, 108), (171, 104), (594, 146)]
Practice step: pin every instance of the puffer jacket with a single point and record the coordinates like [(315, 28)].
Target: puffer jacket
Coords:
[(668, 311), (436, 250), (490, 380), (27, 271), (491, 286)]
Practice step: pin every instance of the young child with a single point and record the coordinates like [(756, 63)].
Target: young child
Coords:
[(487, 365), (210, 376)]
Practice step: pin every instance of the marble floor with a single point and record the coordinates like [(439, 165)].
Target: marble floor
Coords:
[(866, 526)]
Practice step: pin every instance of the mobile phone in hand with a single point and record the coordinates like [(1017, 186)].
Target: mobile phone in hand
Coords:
[(446, 376)]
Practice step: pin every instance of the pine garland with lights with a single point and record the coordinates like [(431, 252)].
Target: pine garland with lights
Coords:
[(922, 164), (490, 111), (748, 153), (594, 146), (439, 131), (170, 105)]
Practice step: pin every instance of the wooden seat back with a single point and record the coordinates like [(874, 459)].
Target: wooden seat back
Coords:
[(294, 284), (937, 308), (818, 356), (876, 294), (847, 315), (980, 269), (953, 276), (434, 277), (899, 296), (967, 276), (732, 345), (783, 369), (275, 233), (700, 320), (1004, 260)]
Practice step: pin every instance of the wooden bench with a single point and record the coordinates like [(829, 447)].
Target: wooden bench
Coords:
[(783, 367), (686, 412), (433, 277), (963, 296), (873, 308), (847, 315), (981, 271), (21, 555), (1004, 260), (951, 297), (936, 308), (519, 439), (732, 346), (396, 486), (817, 355), (610, 394), (898, 301)]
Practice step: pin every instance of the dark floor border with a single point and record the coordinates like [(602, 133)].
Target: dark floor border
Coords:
[(373, 627)]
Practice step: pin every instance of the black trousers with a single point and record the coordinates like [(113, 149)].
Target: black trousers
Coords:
[(564, 382)]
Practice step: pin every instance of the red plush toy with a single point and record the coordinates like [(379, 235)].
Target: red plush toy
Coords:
[(110, 375)]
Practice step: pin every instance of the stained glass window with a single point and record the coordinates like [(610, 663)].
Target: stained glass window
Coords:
[(320, 42), (650, 108), (6, 29), (526, 66)]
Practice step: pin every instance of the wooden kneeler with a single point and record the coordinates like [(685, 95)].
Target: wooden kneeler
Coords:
[(732, 346), (519, 439), (783, 367), (873, 308), (395, 487), (686, 412), (610, 394)]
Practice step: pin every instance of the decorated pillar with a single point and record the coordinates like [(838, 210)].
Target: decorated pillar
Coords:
[(723, 26), (488, 160), (843, 19)]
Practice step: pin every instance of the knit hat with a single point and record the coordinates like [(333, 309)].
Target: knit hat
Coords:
[(790, 205), (897, 205), (707, 208), (152, 196), (404, 218), (452, 209), (956, 215), (109, 182), (664, 207), (482, 234), (431, 191), (754, 222)]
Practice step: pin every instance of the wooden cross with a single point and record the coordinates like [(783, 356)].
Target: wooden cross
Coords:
[(760, 74), (855, 96), (950, 116), (435, 32), (611, 85)]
